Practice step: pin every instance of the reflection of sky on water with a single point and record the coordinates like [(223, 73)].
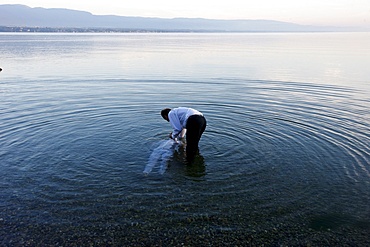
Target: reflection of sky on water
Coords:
[(329, 58), (79, 122)]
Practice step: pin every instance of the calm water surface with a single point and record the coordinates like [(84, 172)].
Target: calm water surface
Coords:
[(285, 159)]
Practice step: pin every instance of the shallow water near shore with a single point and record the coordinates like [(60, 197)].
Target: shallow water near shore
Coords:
[(285, 158)]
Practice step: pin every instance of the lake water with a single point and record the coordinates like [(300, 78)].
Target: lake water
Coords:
[(285, 158)]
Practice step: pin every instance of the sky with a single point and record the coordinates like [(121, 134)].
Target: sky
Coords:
[(308, 12)]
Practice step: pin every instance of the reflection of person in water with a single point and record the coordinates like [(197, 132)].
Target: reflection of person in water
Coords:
[(190, 119)]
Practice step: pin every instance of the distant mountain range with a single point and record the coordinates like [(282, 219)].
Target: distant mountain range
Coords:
[(38, 19)]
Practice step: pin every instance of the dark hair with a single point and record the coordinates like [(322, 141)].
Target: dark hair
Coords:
[(164, 112)]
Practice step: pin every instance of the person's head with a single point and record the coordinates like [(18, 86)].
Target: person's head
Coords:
[(164, 114)]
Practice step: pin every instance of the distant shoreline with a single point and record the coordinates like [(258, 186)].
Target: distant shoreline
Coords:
[(6, 29), (22, 18)]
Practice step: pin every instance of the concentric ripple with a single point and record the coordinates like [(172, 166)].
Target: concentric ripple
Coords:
[(74, 152)]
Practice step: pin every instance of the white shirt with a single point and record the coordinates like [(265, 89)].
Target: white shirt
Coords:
[(178, 118)]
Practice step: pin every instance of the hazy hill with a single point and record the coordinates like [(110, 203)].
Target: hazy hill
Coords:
[(24, 16)]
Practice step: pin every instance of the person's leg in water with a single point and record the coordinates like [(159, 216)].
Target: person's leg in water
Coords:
[(195, 126)]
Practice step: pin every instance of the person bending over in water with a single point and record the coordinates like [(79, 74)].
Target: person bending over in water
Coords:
[(190, 119)]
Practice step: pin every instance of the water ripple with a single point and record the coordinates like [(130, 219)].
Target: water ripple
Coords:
[(277, 148)]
